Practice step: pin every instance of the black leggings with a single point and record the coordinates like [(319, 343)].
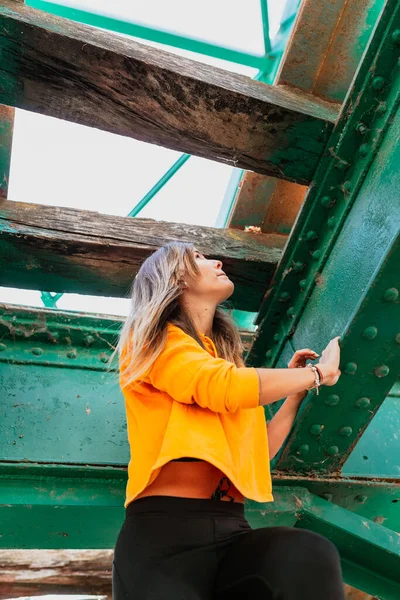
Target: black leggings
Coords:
[(172, 548)]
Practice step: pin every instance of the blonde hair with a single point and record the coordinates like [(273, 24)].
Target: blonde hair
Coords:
[(155, 302)]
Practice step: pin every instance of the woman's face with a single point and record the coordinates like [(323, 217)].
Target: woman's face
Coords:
[(211, 283)]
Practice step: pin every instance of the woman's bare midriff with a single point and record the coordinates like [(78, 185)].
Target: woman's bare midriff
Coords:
[(190, 480)]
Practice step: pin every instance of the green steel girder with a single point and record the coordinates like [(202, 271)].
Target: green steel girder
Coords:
[(369, 552), (330, 424), (370, 106)]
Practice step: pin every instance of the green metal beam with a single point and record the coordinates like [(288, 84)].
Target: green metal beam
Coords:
[(149, 33), (369, 552), (159, 185), (369, 110)]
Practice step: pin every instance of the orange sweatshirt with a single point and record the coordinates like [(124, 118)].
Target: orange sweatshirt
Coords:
[(193, 403)]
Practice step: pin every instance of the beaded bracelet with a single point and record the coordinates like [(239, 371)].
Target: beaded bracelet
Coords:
[(317, 379)]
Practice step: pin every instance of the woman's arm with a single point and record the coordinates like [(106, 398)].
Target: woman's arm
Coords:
[(281, 423)]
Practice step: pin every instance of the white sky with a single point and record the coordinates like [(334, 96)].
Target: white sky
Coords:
[(60, 163)]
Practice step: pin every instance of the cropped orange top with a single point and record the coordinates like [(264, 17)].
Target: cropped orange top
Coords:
[(191, 403)]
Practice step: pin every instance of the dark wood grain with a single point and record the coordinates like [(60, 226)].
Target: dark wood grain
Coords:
[(69, 250), (70, 71)]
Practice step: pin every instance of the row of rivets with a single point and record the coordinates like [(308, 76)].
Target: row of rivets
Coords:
[(71, 353)]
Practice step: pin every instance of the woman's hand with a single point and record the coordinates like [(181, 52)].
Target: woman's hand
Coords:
[(299, 360)]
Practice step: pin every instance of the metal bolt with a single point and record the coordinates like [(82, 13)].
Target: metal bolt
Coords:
[(361, 499), (37, 351), (382, 371), (104, 358), (346, 431), (396, 37), (370, 332), (391, 294), (363, 402), (303, 284), (361, 128), (311, 235), (327, 202), (364, 150), (347, 186), (350, 368), (3, 347), (276, 337), (316, 254), (290, 312), (316, 429), (332, 400), (18, 332), (378, 83), (303, 449), (332, 450), (397, 338), (89, 340), (284, 297), (72, 353), (331, 222)]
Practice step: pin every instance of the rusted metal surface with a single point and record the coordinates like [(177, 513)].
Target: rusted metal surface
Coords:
[(325, 47), (6, 135)]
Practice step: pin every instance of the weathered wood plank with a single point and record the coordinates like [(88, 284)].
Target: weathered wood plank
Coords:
[(68, 250), (74, 72)]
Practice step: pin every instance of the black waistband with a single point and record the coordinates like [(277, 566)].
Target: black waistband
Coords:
[(182, 506)]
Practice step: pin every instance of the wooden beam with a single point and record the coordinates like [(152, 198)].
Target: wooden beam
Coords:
[(6, 135), (69, 250), (60, 68)]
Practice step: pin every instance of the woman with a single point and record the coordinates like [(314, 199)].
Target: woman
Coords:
[(199, 445)]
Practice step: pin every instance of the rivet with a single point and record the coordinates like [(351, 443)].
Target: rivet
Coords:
[(290, 312), (350, 368), (378, 83), (331, 222), (303, 449), (332, 400), (311, 235), (268, 354), (346, 431), (3, 347), (284, 297), (37, 351), (276, 337), (391, 295), (327, 202), (104, 358), (361, 499), (382, 371), (361, 128), (89, 340), (332, 450), (327, 496), (381, 108), (316, 254), (298, 266), (54, 336), (364, 149), (316, 429), (363, 402), (397, 338), (370, 332), (303, 285), (347, 186), (72, 353), (18, 332), (396, 36)]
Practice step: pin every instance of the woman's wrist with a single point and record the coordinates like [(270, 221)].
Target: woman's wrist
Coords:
[(325, 370)]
